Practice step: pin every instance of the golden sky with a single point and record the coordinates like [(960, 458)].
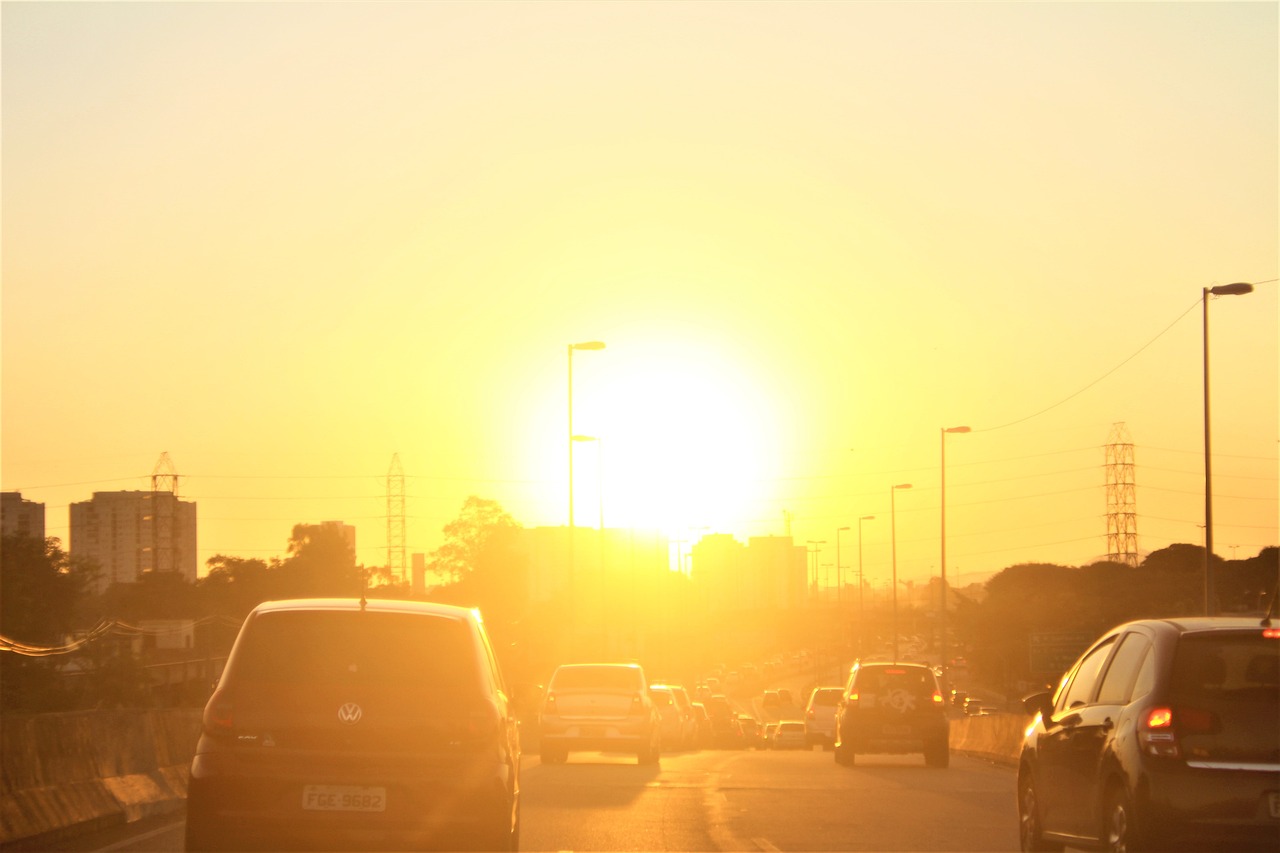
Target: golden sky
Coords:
[(283, 242)]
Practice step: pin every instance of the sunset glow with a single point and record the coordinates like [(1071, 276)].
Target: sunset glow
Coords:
[(285, 242)]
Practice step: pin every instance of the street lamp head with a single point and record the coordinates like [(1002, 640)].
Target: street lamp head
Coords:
[(838, 529), (588, 345), (586, 438), (1239, 288), (903, 486), (867, 518), (958, 429)]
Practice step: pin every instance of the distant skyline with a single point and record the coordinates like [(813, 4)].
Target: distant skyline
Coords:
[(285, 242)]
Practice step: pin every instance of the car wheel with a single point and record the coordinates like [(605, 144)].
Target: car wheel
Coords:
[(844, 754), (1030, 832), (1121, 829)]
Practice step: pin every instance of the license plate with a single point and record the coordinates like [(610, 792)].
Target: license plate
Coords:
[(344, 798), (1274, 798)]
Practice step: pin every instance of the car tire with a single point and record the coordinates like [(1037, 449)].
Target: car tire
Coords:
[(845, 754), (938, 755), (1030, 831), (1122, 831)]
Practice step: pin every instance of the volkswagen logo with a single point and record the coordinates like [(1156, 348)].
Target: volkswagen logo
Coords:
[(350, 713)]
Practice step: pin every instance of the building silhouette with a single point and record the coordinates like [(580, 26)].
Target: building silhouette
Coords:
[(131, 534), (20, 517)]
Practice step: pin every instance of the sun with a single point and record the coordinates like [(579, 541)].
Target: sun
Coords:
[(685, 443)]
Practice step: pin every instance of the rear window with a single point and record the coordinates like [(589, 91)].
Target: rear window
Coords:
[(662, 698), (1233, 665), (1225, 692), (597, 677), (915, 680), (826, 696), (334, 648)]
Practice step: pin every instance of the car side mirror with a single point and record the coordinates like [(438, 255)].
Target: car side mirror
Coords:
[(1039, 703)]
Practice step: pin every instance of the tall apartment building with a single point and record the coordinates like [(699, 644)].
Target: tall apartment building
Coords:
[(130, 534), (19, 517)]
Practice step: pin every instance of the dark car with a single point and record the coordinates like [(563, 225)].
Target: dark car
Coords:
[(1165, 733), (894, 708), (357, 724)]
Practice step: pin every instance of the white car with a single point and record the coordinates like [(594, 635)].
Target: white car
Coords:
[(600, 706), (790, 734), (679, 728), (820, 716)]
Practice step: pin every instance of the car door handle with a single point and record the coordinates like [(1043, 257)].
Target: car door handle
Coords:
[(1070, 720), (1108, 725)]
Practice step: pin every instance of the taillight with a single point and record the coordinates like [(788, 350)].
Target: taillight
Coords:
[(1271, 633), (853, 698), (550, 706), (218, 717), (1156, 734), (1164, 725), (937, 697)]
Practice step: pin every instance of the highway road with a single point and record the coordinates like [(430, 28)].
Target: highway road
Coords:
[(743, 800)]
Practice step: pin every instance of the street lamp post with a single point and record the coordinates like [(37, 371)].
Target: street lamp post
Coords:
[(599, 442), (585, 345), (839, 575), (1239, 288), (861, 610), (943, 614), (815, 552), (893, 551), (573, 580)]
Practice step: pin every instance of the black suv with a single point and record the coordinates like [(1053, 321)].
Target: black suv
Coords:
[(357, 724), (1165, 733), (892, 707)]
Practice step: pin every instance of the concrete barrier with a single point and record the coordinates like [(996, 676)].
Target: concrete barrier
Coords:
[(997, 737), (74, 772)]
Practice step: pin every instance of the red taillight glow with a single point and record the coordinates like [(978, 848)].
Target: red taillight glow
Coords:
[(1271, 633), (1163, 726), (218, 718), (937, 697), (1193, 721)]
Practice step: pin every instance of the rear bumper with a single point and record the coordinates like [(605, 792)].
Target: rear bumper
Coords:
[(236, 805), (904, 735), (1194, 805)]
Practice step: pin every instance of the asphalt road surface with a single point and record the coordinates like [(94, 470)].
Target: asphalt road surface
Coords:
[(742, 800)]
